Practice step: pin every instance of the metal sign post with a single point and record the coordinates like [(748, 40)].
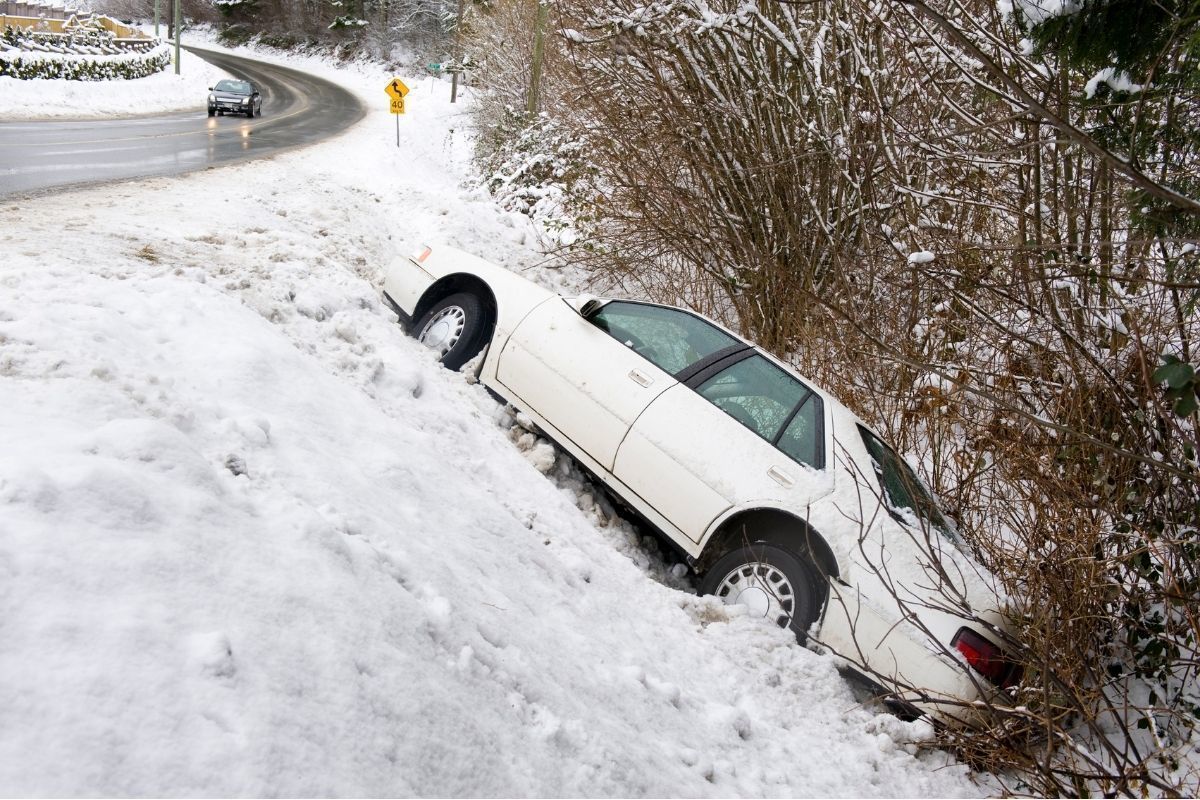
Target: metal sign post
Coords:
[(396, 90)]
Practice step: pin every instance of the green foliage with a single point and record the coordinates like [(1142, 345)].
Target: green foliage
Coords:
[(1182, 385), (236, 34), (347, 23), (1143, 99), (83, 69), (535, 167), (237, 9), (280, 42), (80, 62), (1131, 35)]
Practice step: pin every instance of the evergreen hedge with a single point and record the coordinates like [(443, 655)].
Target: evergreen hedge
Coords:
[(29, 62), (27, 67)]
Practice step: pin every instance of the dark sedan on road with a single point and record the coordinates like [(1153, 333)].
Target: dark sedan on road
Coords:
[(235, 97)]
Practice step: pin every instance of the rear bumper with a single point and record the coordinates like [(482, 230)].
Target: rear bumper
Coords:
[(921, 672)]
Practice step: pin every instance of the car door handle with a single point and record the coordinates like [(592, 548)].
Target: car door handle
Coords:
[(781, 477), (640, 377)]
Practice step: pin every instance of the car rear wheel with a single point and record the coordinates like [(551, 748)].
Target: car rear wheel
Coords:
[(773, 583), (457, 327)]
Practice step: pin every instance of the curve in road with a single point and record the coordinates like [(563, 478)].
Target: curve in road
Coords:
[(298, 109)]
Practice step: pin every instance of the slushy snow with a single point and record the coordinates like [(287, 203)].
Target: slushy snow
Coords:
[(255, 541)]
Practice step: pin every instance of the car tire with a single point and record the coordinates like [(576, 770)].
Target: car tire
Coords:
[(456, 326), (773, 582), (212, 112)]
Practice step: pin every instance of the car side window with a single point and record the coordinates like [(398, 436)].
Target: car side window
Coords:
[(801, 439), (771, 403), (902, 489), (671, 339)]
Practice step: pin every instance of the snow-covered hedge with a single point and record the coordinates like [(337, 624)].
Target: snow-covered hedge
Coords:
[(27, 65), (85, 53), (538, 168)]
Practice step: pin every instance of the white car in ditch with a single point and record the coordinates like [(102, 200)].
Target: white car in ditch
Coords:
[(780, 498)]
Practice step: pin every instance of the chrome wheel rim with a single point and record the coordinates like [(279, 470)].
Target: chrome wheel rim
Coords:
[(762, 588), (445, 329)]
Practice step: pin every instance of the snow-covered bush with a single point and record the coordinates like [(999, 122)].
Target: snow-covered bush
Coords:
[(531, 160), (81, 55), (100, 68), (541, 170)]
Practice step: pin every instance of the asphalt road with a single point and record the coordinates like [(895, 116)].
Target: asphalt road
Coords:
[(298, 109)]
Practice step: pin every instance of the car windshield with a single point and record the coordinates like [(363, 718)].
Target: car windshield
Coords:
[(233, 87), (903, 490), (671, 339)]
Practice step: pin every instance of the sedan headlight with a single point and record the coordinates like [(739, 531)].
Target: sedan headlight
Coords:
[(245, 100), (212, 98)]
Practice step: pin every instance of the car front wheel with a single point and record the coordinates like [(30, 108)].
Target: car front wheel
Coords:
[(456, 327), (773, 583)]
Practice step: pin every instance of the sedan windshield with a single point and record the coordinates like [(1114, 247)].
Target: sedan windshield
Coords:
[(233, 87)]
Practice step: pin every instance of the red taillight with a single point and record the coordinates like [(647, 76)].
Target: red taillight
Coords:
[(986, 658), (422, 254)]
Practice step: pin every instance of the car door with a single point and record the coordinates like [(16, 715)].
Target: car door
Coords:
[(590, 377), (741, 430)]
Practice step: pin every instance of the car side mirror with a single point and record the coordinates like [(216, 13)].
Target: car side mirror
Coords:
[(587, 304), (210, 88)]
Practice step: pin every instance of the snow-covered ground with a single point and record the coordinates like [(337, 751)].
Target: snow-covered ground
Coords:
[(162, 92), (255, 541)]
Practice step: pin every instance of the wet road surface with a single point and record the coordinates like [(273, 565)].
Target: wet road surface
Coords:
[(298, 109)]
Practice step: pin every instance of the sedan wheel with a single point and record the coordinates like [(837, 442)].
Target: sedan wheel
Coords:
[(772, 583), (456, 327)]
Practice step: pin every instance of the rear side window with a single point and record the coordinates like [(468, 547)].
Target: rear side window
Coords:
[(801, 439), (903, 491), (771, 403), (671, 339)]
